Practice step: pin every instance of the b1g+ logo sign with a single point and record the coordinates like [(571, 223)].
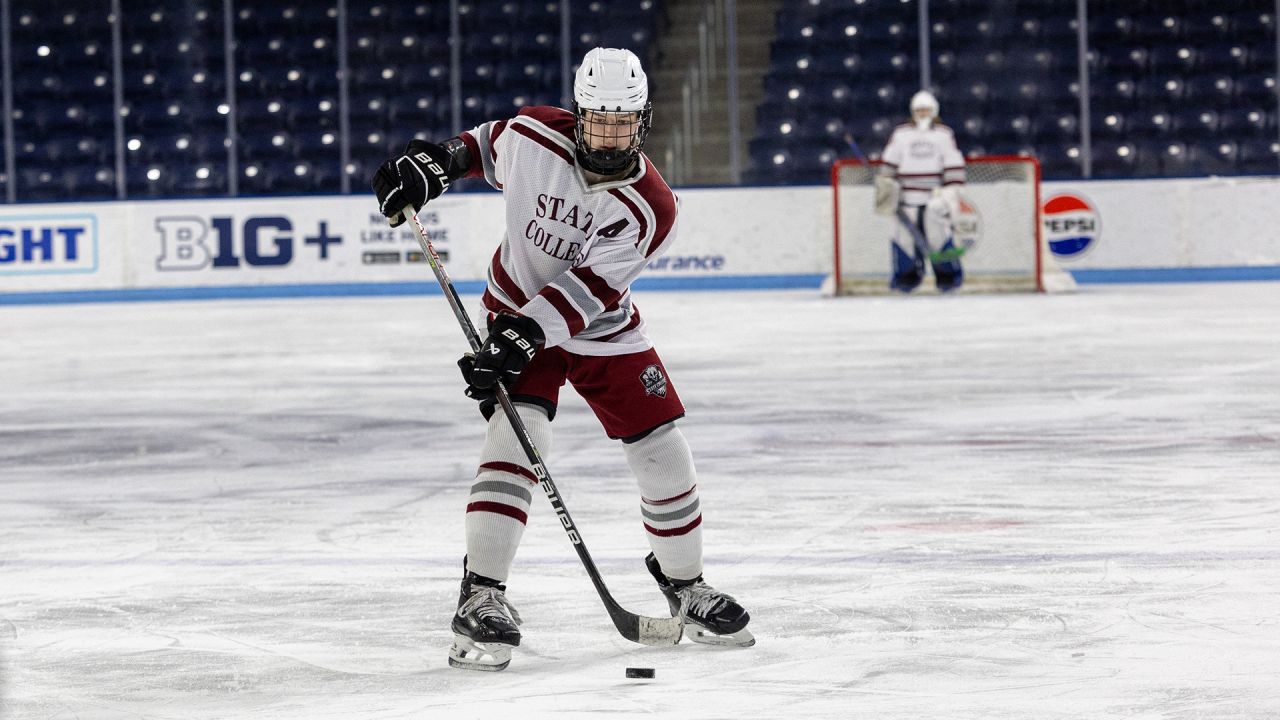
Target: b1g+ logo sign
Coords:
[(195, 243)]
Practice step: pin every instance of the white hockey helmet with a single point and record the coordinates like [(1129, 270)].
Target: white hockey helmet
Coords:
[(611, 80), (924, 100)]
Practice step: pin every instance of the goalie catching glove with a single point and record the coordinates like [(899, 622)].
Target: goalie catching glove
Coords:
[(513, 340), (416, 177)]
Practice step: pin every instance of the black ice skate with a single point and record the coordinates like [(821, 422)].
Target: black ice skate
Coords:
[(710, 616), (486, 626)]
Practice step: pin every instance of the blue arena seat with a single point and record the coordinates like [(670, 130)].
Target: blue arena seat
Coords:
[(1210, 89), (1195, 122), (1176, 59), (1256, 87), (1260, 155), (1244, 121)]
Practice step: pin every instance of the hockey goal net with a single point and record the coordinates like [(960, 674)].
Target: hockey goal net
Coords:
[(998, 229)]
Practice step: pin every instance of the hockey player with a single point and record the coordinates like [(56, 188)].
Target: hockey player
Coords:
[(924, 169), (586, 211)]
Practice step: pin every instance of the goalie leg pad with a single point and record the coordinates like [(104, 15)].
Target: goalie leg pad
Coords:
[(936, 222), (908, 270), (947, 273)]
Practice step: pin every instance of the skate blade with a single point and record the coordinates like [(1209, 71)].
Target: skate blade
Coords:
[(742, 638), (485, 657)]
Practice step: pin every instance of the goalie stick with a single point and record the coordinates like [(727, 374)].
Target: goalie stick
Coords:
[(636, 628)]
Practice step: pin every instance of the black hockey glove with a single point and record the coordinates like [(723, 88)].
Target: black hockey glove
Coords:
[(513, 340), (418, 176), (466, 364)]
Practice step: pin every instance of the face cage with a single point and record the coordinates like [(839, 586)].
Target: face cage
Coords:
[(609, 162)]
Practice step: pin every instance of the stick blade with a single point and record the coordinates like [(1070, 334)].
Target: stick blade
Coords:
[(649, 631)]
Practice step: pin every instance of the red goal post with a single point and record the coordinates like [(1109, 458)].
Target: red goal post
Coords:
[(998, 228)]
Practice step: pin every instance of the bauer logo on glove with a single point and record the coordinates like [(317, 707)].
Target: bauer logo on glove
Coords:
[(513, 341)]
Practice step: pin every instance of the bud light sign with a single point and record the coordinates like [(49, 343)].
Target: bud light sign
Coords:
[(48, 244), (1071, 225)]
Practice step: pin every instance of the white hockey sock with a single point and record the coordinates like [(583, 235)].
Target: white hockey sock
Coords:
[(663, 466), (503, 492)]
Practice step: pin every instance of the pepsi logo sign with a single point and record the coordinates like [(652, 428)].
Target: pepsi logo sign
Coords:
[(1071, 225)]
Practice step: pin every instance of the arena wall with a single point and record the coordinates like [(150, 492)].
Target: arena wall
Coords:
[(730, 238)]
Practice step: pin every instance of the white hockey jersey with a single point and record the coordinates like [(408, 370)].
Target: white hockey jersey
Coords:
[(922, 160), (570, 252)]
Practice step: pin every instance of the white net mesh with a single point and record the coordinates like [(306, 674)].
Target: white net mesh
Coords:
[(998, 228)]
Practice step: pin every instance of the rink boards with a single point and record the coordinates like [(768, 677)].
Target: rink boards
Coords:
[(1105, 231)]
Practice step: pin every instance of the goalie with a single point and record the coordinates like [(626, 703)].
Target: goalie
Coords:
[(919, 184)]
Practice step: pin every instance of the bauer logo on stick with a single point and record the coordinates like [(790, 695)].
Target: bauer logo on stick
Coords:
[(1071, 225), (654, 381)]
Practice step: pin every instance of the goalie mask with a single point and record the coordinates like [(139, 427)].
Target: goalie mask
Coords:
[(924, 109), (611, 109)]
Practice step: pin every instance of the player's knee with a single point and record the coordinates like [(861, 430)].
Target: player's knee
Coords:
[(501, 440), (662, 459)]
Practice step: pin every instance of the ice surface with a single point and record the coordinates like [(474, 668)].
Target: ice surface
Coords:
[(947, 507)]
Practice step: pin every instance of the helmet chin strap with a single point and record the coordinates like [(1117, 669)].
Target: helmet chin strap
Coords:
[(605, 162)]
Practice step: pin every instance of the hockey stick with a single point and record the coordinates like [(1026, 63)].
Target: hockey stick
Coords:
[(935, 256), (917, 237), (636, 628)]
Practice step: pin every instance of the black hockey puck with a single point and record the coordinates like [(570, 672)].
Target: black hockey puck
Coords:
[(640, 672)]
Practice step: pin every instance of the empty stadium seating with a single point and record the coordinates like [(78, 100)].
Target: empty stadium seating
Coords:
[(1182, 87), (287, 105), (1177, 87)]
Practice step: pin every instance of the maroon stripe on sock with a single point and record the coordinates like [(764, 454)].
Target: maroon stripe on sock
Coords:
[(511, 468), (675, 531), (500, 509), (669, 500)]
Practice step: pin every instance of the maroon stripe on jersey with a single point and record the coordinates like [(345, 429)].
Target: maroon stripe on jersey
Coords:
[(572, 318), (476, 168), (953, 182), (654, 190), (917, 187), (668, 501), (919, 175), (504, 281), (500, 509), (492, 303), (644, 225), (542, 140), (558, 119), (511, 469), (498, 127), (674, 532), (597, 286)]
